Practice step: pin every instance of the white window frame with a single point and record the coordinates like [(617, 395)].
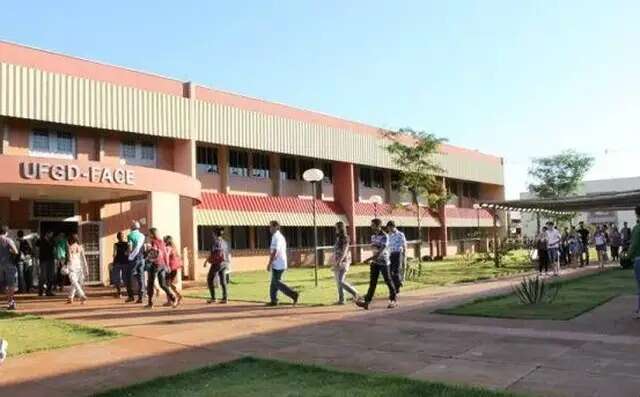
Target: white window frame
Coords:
[(53, 144), (138, 160)]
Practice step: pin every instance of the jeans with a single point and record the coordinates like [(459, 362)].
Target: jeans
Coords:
[(135, 273), (543, 260), (161, 274), (636, 272), (583, 254), (341, 274), (375, 271), (397, 263), (46, 276), (76, 278), (117, 274), (222, 279), (277, 285)]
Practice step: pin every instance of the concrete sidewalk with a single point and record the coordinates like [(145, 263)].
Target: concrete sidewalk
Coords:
[(547, 358)]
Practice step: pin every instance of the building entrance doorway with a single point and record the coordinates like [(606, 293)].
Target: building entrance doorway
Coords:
[(89, 234)]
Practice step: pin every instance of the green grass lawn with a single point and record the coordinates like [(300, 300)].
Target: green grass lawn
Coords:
[(254, 286), (250, 377), (575, 297), (27, 334)]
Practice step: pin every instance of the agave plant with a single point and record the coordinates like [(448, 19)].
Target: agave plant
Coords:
[(533, 290)]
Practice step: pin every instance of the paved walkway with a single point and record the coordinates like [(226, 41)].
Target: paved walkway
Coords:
[(594, 355)]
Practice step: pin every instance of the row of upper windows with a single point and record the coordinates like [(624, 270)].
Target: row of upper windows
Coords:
[(61, 144), (257, 165)]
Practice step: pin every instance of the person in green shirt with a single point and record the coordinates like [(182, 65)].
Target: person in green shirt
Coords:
[(60, 253), (634, 255)]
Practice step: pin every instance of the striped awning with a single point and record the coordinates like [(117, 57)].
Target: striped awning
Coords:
[(402, 215), (236, 210)]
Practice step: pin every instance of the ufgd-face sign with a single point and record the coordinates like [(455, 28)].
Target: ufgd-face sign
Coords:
[(71, 172)]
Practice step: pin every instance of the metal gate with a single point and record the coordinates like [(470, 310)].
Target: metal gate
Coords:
[(90, 237)]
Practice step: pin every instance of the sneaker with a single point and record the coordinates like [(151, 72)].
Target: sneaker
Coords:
[(139, 300), (362, 304), (637, 315), (50, 294), (270, 304), (149, 306), (11, 305), (167, 304), (4, 345), (392, 305), (129, 300), (295, 298), (223, 301), (210, 301), (339, 303)]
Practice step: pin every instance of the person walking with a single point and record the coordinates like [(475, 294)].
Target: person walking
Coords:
[(553, 247), (543, 254), (47, 265), (158, 268), (625, 233), (600, 240), (175, 264), (397, 254), (60, 258), (565, 258), (8, 268), (76, 268), (218, 261), (615, 241), (379, 264), (136, 267), (583, 232), (25, 263), (634, 255), (120, 263), (341, 263), (278, 265)]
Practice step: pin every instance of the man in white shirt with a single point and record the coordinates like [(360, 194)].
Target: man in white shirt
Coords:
[(553, 247), (278, 265), (398, 254)]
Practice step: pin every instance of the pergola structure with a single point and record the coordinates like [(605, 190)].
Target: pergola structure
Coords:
[(609, 201)]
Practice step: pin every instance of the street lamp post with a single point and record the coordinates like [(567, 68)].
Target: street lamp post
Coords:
[(314, 176), (375, 199)]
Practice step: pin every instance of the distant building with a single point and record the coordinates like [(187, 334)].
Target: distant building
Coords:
[(529, 224)]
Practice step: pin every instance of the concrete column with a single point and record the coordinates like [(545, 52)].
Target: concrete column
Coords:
[(356, 182), (345, 195), (252, 237), (223, 166), (444, 238), (274, 163), (164, 214)]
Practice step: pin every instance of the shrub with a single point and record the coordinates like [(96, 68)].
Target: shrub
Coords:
[(533, 290)]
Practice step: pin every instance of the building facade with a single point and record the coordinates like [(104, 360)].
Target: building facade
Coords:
[(89, 147), (529, 221)]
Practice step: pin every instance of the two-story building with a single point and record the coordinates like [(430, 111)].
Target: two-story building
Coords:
[(89, 147)]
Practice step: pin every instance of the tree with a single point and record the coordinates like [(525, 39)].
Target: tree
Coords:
[(414, 154), (559, 175)]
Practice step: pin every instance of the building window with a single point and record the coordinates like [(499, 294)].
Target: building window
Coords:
[(47, 143), (207, 160), (263, 237), (370, 177), (260, 166), (288, 168), (143, 153), (327, 170), (306, 237), (238, 163), (377, 179), (239, 237), (305, 164), (53, 209), (471, 190), (291, 235), (205, 238)]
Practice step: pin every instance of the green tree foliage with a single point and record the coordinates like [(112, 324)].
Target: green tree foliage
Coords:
[(559, 175), (414, 153)]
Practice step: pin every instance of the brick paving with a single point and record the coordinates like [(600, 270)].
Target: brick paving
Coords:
[(593, 355)]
